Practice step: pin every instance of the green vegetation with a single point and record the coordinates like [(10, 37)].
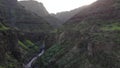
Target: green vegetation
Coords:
[(28, 49), (29, 42), (2, 27), (14, 50), (11, 62), (22, 45), (112, 27), (91, 39), (2, 67), (51, 52), (32, 45)]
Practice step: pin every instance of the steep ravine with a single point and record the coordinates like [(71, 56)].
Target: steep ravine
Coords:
[(90, 39)]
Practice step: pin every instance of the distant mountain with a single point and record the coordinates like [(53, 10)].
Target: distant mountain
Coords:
[(66, 15), (39, 9), (55, 22), (98, 10)]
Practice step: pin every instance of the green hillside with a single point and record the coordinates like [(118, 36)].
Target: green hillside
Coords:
[(90, 39)]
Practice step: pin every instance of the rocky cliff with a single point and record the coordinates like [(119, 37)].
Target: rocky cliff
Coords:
[(17, 16), (35, 7), (39, 9)]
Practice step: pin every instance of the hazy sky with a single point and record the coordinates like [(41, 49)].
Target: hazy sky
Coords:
[(54, 6)]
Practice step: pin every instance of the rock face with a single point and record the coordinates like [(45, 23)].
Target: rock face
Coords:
[(39, 9), (90, 39), (6, 12), (35, 7), (10, 54), (18, 17)]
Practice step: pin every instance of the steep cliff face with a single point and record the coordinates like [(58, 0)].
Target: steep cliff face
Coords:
[(6, 12), (15, 15), (10, 54), (39, 9), (90, 39), (35, 7), (28, 21)]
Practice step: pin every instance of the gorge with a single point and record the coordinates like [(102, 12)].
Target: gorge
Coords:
[(86, 37)]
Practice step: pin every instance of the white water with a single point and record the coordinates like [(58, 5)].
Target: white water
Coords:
[(29, 65)]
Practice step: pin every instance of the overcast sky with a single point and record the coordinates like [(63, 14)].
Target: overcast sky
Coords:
[(54, 6)]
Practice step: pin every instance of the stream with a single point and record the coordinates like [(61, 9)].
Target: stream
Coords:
[(29, 64)]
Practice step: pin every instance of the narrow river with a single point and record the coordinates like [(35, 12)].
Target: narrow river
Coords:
[(29, 64)]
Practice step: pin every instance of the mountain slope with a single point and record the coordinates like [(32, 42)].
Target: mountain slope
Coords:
[(90, 39), (17, 27), (17, 16), (66, 15), (35, 7), (39, 9)]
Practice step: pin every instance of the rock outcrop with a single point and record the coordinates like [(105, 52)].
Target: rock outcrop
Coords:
[(35, 7)]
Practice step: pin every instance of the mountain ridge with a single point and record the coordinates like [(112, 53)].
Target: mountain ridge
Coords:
[(35, 7), (39, 9)]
